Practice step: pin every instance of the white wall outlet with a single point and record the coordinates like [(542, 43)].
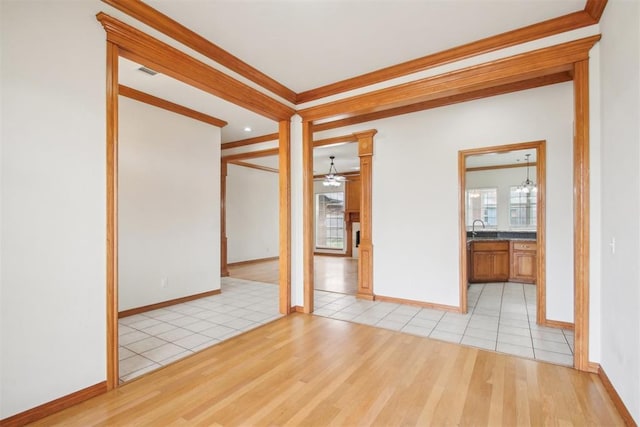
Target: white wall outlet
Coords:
[(164, 282), (612, 245)]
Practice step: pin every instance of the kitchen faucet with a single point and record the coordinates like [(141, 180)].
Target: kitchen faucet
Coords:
[(473, 227)]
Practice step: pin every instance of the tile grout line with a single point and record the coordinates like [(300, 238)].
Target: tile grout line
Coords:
[(526, 306), (464, 333), (499, 315)]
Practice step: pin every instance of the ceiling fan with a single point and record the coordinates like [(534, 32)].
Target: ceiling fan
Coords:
[(332, 179)]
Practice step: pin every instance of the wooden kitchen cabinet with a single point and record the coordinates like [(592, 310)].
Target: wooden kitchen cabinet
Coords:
[(488, 261), (353, 194), (523, 261), (352, 205)]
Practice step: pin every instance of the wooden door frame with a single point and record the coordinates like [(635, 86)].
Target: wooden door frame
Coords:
[(365, 142), (581, 236), (112, 215), (114, 51), (541, 170)]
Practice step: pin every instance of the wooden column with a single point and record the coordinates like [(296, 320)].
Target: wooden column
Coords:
[(112, 215), (307, 214), (224, 270), (365, 258), (284, 174), (581, 214)]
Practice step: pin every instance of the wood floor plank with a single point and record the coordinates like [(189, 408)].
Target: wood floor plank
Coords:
[(333, 274), (308, 370)]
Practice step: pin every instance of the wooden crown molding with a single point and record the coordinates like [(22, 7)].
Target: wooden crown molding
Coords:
[(537, 31), (168, 26), (250, 155), (161, 22), (252, 166), (509, 166), (139, 47), (522, 67), (335, 140), (448, 100), (595, 8), (169, 106), (347, 174), (249, 141)]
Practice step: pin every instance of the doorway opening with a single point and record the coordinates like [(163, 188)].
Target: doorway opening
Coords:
[(503, 241), (336, 216)]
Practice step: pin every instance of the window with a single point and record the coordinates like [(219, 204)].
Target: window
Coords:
[(482, 203), (330, 220), (522, 208)]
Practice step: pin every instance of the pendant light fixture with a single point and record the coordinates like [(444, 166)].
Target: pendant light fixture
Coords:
[(527, 185), (332, 179)]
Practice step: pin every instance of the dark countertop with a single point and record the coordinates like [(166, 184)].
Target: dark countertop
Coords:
[(498, 239), (528, 236)]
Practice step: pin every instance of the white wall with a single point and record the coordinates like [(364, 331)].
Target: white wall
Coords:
[(252, 214), (53, 222), (620, 77), (168, 205), (415, 230), (502, 180)]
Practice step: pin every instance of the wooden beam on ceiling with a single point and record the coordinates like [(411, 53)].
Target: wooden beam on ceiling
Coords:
[(161, 22), (169, 106), (449, 100), (250, 155), (509, 166), (537, 31), (253, 166), (335, 140), (595, 8), (249, 141), (522, 67), (141, 48)]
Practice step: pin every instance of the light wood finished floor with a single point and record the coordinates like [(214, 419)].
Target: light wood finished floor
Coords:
[(333, 274), (308, 370), (261, 271), (336, 274)]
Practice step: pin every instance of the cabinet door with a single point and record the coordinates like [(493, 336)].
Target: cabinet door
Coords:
[(482, 266), (353, 194), (523, 266), (501, 266)]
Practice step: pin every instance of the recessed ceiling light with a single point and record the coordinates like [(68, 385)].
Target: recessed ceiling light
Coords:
[(247, 129)]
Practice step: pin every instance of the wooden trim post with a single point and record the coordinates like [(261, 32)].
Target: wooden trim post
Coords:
[(307, 215), (365, 258), (224, 268), (284, 177), (581, 214), (112, 216)]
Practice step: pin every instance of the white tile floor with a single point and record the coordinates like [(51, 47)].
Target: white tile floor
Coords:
[(501, 317), (156, 338)]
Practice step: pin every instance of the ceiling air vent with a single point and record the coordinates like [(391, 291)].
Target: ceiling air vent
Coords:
[(148, 71)]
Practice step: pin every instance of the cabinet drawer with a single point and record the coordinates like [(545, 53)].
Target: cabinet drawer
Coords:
[(524, 246), (490, 246)]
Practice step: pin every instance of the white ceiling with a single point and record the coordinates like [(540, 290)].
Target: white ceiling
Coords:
[(304, 44), (168, 88), (308, 43)]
